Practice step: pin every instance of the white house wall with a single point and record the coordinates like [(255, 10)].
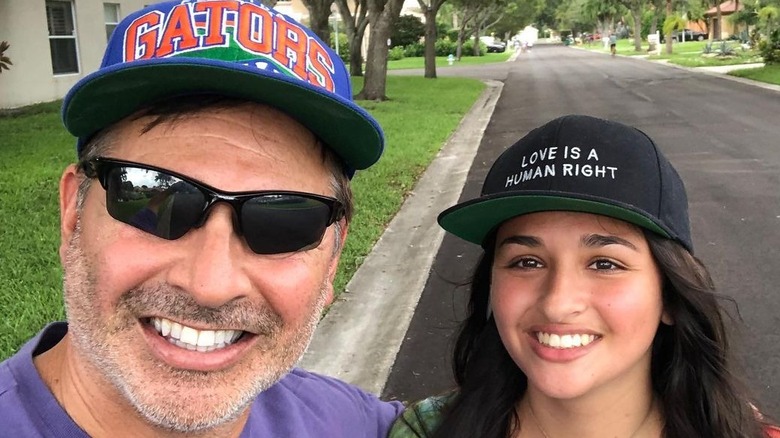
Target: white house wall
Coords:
[(23, 25)]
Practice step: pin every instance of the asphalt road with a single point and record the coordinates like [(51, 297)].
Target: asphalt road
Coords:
[(722, 136)]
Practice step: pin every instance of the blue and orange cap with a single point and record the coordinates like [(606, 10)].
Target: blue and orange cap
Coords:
[(236, 48)]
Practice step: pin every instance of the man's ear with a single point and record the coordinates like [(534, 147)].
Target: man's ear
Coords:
[(334, 262), (69, 190)]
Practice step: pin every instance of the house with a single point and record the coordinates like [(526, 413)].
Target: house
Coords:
[(726, 27), (54, 43)]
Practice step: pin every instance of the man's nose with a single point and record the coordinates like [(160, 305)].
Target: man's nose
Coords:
[(212, 267)]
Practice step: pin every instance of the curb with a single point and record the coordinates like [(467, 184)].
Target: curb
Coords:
[(359, 338)]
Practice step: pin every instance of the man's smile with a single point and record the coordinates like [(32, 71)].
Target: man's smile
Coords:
[(193, 339)]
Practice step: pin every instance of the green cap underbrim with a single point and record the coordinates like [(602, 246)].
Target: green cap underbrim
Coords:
[(475, 220), (108, 96)]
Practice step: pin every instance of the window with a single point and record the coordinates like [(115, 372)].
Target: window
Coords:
[(111, 17), (62, 36)]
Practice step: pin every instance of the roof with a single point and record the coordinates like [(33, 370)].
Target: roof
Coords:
[(726, 8)]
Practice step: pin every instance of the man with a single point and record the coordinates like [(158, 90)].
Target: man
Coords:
[(201, 230)]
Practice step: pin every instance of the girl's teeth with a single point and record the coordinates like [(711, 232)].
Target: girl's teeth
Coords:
[(564, 341)]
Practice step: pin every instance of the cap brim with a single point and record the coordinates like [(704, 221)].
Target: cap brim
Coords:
[(476, 219), (109, 95)]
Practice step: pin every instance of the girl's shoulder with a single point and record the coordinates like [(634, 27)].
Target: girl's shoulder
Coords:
[(422, 418)]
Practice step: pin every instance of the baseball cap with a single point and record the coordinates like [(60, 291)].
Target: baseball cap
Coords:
[(236, 48), (583, 164)]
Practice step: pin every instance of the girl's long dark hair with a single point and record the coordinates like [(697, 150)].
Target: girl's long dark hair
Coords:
[(692, 369)]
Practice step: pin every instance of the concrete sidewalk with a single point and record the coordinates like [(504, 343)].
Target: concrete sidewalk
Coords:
[(358, 339)]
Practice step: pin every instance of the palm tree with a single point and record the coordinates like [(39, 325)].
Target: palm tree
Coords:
[(4, 60)]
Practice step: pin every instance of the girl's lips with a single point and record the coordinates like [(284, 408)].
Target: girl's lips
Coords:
[(559, 353)]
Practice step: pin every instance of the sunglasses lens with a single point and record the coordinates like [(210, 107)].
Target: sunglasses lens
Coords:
[(275, 224), (152, 201)]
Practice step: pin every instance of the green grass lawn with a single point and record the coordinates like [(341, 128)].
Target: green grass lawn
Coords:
[(418, 119), (769, 74), (688, 54), (441, 61), (691, 54)]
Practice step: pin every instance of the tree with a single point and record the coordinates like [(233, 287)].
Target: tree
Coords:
[(430, 8), (656, 14), (516, 15), (668, 29), (716, 32), (319, 13), (381, 14), (636, 7), (747, 17), (768, 19), (4, 60), (547, 16), (489, 13), (355, 23), (476, 16), (466, 13), (570, 15), (695, 9), (407, 29), (603, 12)]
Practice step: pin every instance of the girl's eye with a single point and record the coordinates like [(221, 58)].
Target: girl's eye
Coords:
[(527, 263), (605, 265)]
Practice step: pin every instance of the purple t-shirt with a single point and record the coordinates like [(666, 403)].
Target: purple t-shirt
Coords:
[(300, 405)]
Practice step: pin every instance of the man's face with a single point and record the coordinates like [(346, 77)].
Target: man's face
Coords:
[(123, 285)]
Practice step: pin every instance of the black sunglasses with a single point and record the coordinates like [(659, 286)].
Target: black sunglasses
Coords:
[(168, 205)]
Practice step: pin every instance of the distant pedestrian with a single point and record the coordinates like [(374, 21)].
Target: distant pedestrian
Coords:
[(589, 315), (613, 44)]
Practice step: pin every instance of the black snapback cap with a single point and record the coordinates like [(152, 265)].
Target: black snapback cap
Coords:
[(582, 164)]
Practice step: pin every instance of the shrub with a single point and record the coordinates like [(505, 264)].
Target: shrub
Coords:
[(4, 60), (770, 48), (414, 50), (407, 29), (726, 50), (468, 48), (445, 47), (343, 45), (395, 53), (442, 30)]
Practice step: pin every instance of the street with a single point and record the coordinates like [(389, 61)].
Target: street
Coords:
[(721, 135)]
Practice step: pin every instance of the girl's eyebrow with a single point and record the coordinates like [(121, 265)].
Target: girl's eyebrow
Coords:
[(598, 240), (521, 240)]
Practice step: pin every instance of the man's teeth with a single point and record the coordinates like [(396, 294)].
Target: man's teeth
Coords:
[(193, 339), (564, 341)]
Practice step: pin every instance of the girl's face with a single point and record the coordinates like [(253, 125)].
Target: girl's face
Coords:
[(577, 301)]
